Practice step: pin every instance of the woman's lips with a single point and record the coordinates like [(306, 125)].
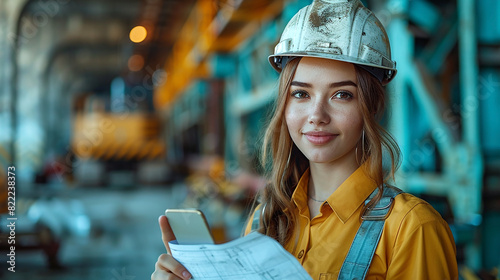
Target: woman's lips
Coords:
[(319, 138)]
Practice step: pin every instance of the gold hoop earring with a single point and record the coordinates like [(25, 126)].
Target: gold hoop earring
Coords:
[(357, 159), (356, 155), (363, 145)]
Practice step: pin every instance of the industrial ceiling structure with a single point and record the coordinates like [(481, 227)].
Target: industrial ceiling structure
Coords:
[(62, 50)]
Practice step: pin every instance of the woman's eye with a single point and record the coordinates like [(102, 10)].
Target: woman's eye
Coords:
[(299, 94), (342, 95)]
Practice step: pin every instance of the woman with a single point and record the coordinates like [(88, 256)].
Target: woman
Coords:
[(326, 152)]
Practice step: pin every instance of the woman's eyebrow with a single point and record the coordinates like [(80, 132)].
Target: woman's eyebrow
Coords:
[(301, 84), (343, 83), (332, 85)]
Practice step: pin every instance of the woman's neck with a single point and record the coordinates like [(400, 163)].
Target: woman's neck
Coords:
[(325, 178)]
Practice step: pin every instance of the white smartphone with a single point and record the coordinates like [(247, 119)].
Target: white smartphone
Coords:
[(189, 226)]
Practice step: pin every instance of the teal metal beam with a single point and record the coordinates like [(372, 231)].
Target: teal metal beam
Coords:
[(440, 132), (14, 51), (469, 71), (434, 55), (488, 12), (462, 166), (431, 18), (399, 99)]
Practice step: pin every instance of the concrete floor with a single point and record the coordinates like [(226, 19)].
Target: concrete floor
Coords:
[(124, 244)]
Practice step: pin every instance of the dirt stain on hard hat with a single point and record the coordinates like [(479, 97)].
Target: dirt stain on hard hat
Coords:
[(315, 19)]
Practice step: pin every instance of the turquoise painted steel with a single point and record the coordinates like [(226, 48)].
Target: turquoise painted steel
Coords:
[(461, 171), (440, 131), (488, 13), (432, 17), (435, 55), (489, 97), (399, 121), (469, 71)]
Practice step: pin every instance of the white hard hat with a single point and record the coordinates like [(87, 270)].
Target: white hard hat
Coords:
[(342, 30)]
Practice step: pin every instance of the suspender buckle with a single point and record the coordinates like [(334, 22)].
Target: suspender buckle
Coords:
[(378, 213)]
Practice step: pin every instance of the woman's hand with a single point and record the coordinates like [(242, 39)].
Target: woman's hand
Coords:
[(167, 268)]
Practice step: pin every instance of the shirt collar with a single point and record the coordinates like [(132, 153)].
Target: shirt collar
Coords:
[(299, 196), (350, 195)]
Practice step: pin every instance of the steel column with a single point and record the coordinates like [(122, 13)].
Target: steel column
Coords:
[(470, 119), (398, 95)]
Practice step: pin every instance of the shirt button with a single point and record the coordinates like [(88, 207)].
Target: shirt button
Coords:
[(301, 254)]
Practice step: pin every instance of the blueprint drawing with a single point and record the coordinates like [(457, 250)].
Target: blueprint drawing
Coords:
[(253, 257)]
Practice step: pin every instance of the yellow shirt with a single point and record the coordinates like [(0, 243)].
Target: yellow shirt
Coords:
[(416, 243)]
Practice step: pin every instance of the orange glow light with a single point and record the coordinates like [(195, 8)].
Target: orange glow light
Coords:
[(138, 34), (135, 62)]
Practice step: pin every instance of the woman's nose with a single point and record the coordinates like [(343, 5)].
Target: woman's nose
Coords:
[(319, 114)]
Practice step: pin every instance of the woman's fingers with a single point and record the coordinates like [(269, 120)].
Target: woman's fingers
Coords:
[(163, 275), (166, 232), (168, 268)]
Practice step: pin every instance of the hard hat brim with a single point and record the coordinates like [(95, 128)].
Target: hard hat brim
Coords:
[(390, 71)]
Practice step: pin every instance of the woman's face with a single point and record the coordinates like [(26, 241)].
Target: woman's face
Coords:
[(322, 112)]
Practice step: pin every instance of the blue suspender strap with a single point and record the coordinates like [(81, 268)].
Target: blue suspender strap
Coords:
[(365, 242), (256, 219)]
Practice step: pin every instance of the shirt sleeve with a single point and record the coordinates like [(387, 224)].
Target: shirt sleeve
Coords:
[(425, 248)]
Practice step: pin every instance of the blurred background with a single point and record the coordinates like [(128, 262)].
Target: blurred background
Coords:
[(112, 111)]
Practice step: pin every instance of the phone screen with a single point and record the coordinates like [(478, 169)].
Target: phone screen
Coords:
[(189, 226)]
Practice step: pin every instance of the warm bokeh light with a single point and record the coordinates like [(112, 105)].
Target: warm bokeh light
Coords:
[(138, 34), (135, 62)]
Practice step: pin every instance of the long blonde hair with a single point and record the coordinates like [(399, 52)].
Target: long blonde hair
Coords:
[(284, 162)]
